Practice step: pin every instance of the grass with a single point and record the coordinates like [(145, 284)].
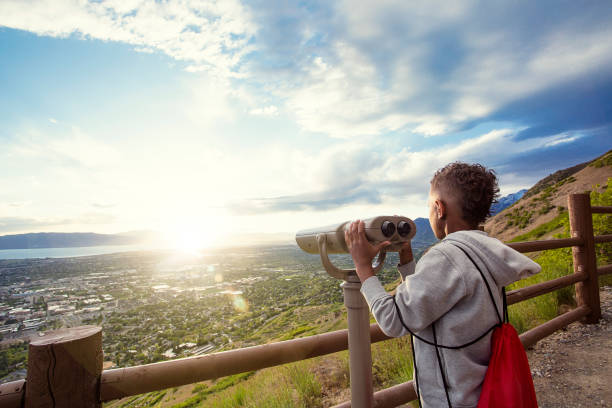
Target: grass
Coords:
[(204, 391), (533, 312), (292, 385), (605, 160), (392, 362), (560, 221)]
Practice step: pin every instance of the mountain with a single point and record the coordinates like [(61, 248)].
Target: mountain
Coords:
[(424, 235), (506, 201), (547, 199), (67, 240)]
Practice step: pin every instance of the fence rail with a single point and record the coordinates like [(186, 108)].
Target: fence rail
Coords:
[(123, 382), (44, 384)]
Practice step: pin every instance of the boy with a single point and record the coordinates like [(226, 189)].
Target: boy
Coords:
[(443, 299)]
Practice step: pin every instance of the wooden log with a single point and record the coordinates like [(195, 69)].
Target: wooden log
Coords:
[(531, 337), (600, 239), (123, 382), (534, 246), (12, 394), (390, 397), (518, 295), (64, 368), (581, 226), (604, 270), (601, 210)]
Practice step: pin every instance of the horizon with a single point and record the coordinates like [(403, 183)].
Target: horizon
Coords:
[(266, 119)]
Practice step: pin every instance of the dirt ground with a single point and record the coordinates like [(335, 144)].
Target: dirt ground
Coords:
[(573, 367)]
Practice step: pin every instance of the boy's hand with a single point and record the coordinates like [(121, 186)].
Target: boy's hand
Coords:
[(361, 250)]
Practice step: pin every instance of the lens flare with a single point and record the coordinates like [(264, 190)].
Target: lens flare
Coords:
[(240, 304)]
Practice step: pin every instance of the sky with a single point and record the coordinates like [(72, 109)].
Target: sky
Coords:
[(207, 118)]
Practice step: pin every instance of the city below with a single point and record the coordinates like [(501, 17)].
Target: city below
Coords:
[(155, 306)]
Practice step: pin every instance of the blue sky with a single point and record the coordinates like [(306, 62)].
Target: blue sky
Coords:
[(263, 116)]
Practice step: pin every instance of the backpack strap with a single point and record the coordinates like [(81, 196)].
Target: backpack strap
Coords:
[(469, 343), (488, 287), (435, 340)]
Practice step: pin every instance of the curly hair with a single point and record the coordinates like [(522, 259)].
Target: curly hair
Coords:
[(473, 185)]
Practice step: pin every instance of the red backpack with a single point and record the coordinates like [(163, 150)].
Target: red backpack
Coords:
[(508, 382)]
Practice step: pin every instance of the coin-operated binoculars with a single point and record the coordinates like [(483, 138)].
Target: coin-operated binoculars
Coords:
[(330, 240)]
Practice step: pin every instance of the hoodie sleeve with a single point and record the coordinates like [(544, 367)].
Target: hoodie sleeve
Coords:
[(435, 287)]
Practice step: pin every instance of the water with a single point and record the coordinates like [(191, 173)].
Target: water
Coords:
[(68, 252)]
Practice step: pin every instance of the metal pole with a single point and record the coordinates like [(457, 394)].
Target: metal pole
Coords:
[(359, 343)]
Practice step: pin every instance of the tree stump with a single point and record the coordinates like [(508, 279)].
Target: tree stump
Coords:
[(64, 368)]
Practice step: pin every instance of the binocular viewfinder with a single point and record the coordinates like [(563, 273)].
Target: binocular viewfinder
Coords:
[(330, 239)]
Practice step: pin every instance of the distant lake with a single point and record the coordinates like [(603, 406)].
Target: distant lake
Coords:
[(68, 252)]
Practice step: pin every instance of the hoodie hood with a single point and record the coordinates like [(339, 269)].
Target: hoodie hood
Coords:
[(503, 263)]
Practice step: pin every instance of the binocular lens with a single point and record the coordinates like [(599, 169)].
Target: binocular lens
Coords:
[(387, 228), (403, 228)]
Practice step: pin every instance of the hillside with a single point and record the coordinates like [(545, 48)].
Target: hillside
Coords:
[(68, 240), (547, 199)]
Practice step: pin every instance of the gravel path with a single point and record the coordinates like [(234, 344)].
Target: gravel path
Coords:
[(573, 367)]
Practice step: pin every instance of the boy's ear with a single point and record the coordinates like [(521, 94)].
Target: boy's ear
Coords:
[(440, 209)]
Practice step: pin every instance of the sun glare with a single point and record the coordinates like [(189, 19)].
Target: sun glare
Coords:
[(190, 240)]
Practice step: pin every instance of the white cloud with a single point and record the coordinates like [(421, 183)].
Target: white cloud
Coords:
[(390, 69), (73, 146), (211, 35), (369, 68), (562, 140), (342, 98), (270, 110)]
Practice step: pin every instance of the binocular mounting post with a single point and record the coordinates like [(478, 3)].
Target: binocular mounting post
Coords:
[(358, 313)]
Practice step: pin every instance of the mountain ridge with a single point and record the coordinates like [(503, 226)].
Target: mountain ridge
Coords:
[(547, 199)]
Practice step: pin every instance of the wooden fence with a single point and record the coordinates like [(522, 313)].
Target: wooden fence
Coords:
[(65, 366)]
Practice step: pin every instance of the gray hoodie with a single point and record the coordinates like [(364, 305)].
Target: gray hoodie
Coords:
[(448, 291)]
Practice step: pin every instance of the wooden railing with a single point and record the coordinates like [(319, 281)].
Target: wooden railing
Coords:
[(65, 368)]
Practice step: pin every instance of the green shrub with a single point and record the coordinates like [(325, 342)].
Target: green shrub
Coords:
[(392, 361), (605, 160), (306, 384)]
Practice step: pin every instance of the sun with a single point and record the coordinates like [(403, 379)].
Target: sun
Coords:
[(190, 234), (190, 240)]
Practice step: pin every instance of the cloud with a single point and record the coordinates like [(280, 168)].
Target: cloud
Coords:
[(270, 110), (103, 205), (348, 70), (551, 156), (319, 201), (67, 145), (583, 104), (211, 35), (352, 174), (29, 224), (402, 66), (561, 140)]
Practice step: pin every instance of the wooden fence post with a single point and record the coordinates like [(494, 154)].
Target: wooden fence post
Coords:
[(581, 226), (64, 368)]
